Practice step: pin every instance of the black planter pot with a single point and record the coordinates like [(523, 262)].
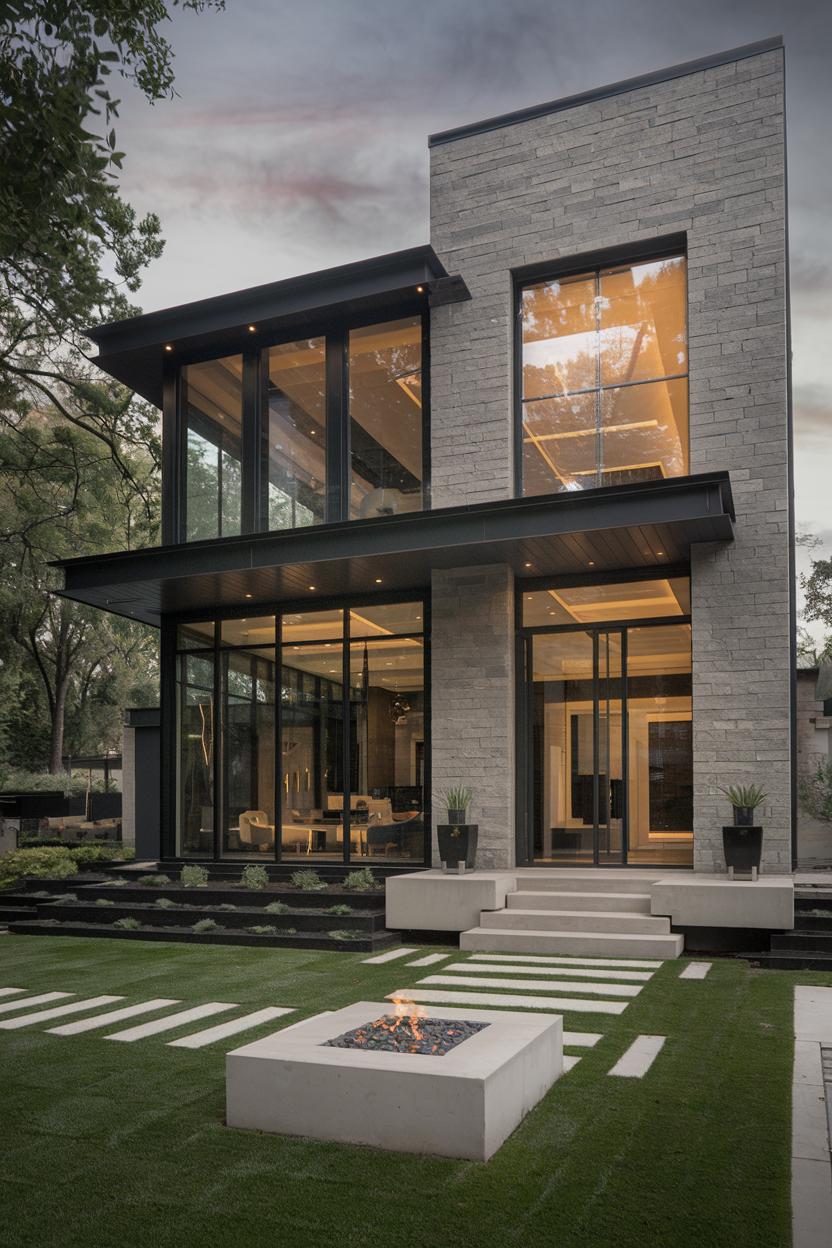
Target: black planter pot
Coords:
[(743, 848), (456, 817), (744, 816), (458, 844)]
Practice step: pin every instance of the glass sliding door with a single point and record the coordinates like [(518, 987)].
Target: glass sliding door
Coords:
[(247, 766), (660, 752), (195, 730), (577, 748), (608, 723)]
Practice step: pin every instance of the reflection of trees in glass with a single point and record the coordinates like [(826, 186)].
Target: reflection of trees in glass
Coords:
[(598, 355)]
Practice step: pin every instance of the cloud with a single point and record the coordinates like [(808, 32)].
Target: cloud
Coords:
[(813, 415)]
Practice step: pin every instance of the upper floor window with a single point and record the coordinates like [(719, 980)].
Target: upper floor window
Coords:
[(604, 377), (212, 400), (310, 431)]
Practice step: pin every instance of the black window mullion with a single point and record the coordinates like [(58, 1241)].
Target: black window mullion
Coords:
[(337, 433), (217, 743), (251, 449), (278, 738), (346, 712), (625, 752)]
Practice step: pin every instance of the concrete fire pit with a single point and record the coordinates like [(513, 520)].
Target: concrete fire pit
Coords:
[(310, 1080)]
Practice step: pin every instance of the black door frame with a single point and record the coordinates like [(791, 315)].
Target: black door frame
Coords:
[(524, 773)]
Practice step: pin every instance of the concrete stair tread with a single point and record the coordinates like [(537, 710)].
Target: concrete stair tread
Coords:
[(613, 944), (575, 921), (526, 899), (587, 882)]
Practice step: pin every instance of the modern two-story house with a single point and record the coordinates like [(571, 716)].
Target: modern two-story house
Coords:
[(512, 509)]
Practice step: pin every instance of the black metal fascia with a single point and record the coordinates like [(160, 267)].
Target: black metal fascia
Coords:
[(291, 296), (511, 520), (603, 93)]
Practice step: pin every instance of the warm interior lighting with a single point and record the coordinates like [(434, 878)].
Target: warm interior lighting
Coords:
[(378, 578), (420, 290), (590, 433), (168, 347), (311, 586), (252, 329), (248, 595)]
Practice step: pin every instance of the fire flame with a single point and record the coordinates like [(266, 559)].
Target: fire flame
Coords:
[(406, 1016)]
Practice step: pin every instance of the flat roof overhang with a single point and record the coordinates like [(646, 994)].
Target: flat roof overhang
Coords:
[(648, 525), (135, 351)]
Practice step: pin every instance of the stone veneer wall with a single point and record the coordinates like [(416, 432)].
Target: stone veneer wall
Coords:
[(701, 154), (472, 702)]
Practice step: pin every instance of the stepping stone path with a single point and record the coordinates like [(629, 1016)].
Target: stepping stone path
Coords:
[(640, 1056), (696, 970)]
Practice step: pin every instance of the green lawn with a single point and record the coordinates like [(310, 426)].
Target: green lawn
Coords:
[(115, 1146)]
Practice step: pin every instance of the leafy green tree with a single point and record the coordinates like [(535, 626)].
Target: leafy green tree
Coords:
[(63, 495), (79, 456)]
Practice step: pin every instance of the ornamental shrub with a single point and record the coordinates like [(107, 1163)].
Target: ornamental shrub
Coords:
[(104, 901), (206, 925), (277, 907), (254, 877), (340, 908), (194, 876), (343, 934), (46, 863), (165, 903), (264, 929), (153, 881), (308, 881), (127, 925), (362, 881)]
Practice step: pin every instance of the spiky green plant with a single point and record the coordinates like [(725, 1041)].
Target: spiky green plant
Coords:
[(458, 797), (748, 795), (254, 877)]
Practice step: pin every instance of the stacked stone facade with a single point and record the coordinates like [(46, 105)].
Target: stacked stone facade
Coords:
[(701, 154)]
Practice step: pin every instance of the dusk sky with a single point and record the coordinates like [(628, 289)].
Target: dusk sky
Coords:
[(298, 139)]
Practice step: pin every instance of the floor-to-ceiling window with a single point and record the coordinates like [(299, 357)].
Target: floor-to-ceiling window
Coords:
[(212, 397), (302, 736), (606, 723), (322, 429), (604, 377)]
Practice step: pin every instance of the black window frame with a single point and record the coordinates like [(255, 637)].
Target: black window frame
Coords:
[(254, 424), (663, 248), (170, 654), (524, 804)]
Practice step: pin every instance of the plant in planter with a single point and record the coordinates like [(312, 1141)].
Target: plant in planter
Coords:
[(458, 799), (127, 924), (308, 881), (254, 877), (206, 925), (194, 876), (362, 880), (744, 798), (277, 907), (743, 843), (153, 881), (458, 839)]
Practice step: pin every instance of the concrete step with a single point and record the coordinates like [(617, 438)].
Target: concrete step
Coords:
[(820, 942), (602, 944), (584, 882), (635, 903), (786, 960), (575, 921)]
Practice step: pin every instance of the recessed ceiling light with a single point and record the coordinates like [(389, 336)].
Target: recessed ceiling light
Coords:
[(252, 329), (168, 347), (248, 595), (378, 580), (660, 553), (591, 563), (311, 586), (527, 565), (420, 290)]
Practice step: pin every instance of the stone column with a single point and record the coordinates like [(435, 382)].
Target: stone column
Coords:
[(472, 702)]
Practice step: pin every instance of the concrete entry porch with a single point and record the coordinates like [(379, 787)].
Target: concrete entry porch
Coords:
[(601, 912)]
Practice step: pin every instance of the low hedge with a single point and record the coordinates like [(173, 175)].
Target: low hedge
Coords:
[(56, 862)]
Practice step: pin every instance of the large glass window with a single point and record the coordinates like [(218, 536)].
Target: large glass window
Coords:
[(212, 396), (387, 736), (333, 769), (609, 724), (385, 371), (247, 738), (295, 461), (604, 391), (195, 755)]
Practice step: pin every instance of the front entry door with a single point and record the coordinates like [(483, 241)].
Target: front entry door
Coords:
[(575, 741)]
